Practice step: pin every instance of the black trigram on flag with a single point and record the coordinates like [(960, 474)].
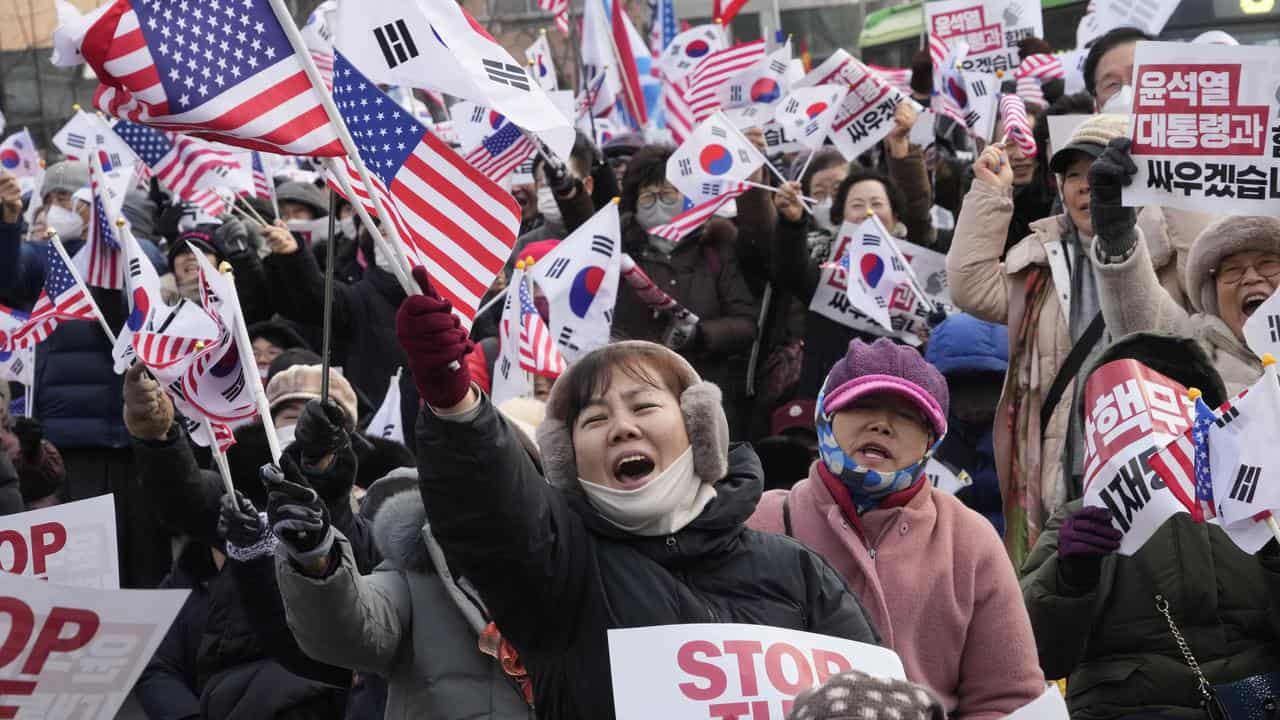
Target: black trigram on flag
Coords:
[(792, 106), (871, 240), (1273, 322), (719, 132), (396, 43), (512, 75), (897, 264), (505, 367), (735, 94), (557, 268), (602, 245), (477, 115), (75, 140), (711, 189), (978, 88), (971, 118), (685, 166), (566, 338), (234, 389), (1227, 416), (777, 67), (135, 267), (1246, 483)]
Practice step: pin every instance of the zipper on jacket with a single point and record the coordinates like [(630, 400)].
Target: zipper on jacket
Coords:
[(672, 545), (872, 553)]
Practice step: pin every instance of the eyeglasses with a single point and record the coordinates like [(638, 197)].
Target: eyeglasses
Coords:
[(1267, 267), (668, 196)]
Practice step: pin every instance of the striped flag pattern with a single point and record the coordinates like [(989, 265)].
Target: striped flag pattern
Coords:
[(538, 352), (693, 99), (62, 298), (317, 36), (1016, 126), (560, 9), (453, 219), (1028, 88), (499, 154), (1041, 66), (187, 166), (1184, 464), (693, 218), (263, 187), (937, 49), (105, 268), (222, 69), (898, 78)]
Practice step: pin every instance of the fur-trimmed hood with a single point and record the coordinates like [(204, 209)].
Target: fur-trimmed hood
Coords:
[(400, 526)]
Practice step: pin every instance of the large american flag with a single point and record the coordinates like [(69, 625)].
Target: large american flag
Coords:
[(692, 99), (105, 268), (452, 218), (693, 218), (499, 154), (538, 352), (62, 298), (188, 166), (220, 68)]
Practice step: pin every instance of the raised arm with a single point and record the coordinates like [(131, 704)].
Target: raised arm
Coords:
[(974, 270), (908, 172)]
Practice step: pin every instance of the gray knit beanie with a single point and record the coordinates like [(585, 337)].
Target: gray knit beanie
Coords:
[(1224, 238), (68, 175), (857, 696)]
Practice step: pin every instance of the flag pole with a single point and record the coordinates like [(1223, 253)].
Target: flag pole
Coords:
[(348, 144), (29, 398), (1269, 369), (326, 342), (244, 347), (75, 275), (219, 458)]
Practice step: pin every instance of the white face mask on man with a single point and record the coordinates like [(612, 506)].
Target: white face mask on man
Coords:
[(547, 206), (67, 223)]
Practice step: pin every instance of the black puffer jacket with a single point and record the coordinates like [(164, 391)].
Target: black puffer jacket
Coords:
[(556, 576)]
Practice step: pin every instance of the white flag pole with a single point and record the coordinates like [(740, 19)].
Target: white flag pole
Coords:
[(1269, 370), (75, 275), (220, 459), (244, 346), (29, 399)]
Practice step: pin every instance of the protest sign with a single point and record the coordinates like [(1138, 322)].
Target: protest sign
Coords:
[(991, 28), (76, 652), (1149, 16), (866, 115), (1203, 135), (1049, 706), (778, 139), (71, 544), (683, 672), (945, 477), (1131, 412)]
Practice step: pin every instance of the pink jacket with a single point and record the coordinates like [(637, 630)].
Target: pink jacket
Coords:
[(939, 587)]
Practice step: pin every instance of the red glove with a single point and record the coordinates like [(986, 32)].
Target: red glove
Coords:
[(435, 343)]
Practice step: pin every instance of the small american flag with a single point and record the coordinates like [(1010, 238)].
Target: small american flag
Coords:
[(693, 218), (452, 218), (694, 98), (1028, 88), (937, 49), (898, 78), (538, 352), (224, 69), (63, 298), (106, 269), (1041, 66), (502, 152), (185, 165), (559, 8), (1014, 114), (162, 351), (1184, 465), (263, 187)]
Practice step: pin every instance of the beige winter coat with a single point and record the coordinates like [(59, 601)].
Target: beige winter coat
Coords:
[(1020, 292), (1133, 300)]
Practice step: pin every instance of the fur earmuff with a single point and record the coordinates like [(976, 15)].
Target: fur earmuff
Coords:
[(704, 420), (555, 442)]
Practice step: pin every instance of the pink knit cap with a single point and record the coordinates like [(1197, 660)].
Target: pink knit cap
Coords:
[(886, 367)]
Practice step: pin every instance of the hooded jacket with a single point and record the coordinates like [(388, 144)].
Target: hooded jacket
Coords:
[(556, 575), (410, 621)]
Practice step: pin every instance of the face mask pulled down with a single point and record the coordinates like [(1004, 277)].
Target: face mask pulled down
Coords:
[(666, 504)]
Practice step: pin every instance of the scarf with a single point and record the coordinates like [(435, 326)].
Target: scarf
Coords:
[(664, 505)]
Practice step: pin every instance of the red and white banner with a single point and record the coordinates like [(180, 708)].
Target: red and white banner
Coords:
[(991, 28), (71, 544), (1131, 413), (866, 115), (68, 652), (693, 672), (1202, 118)]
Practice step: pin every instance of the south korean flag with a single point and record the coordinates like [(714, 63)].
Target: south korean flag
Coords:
[(714, 156), (580, 281), (1262, 329), (807, 113)]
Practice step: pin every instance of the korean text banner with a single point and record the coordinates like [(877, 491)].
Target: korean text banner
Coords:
[(71, 544), (1204, 125), (866, 115), (992, 29), (76, 652), (683, 672)]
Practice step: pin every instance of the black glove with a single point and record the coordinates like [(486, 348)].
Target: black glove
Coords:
[(558, 177), (240, 523), (30, 432), (1114, 225), (321, 431), (233, 238), (297, 515)]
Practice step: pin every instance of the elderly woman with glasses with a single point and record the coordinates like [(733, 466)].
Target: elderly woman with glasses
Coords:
[(700, 272), (1232, 268)]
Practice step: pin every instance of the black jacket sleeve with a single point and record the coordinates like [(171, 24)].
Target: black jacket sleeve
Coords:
[(167, 687), (186, 498), (502, 526), (297, 287), (793, 270)]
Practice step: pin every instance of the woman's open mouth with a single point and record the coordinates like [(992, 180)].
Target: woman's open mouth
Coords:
[(1252, 301), (632, 468), (873, 452)]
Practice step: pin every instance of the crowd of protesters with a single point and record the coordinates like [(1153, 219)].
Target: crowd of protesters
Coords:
[(474, 570)]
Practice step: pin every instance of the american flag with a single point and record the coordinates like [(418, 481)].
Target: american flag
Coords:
[(1184, 465), (538, 352), (221, 68), (898, 78), (937, 49), (452, 218), (1041, 66), (105, 268), (1028, 88), (559, 8), (263, 187), (161, 351), (185, 165), (63, 298), (502, 152), (942, 101), (692, 99), (1014, 114), (693, 218)]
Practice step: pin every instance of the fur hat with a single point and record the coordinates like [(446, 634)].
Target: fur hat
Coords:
[(700, 404), (1224, 238), (1091, 138), (855, 695), (885, 366), (302, 382)]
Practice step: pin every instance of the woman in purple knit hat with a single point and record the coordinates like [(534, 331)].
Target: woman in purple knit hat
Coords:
[(932, 573)]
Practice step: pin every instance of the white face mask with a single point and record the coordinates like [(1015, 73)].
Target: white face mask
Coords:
[(285, 435), (822, 215), (66, 223), (348, 227), (1121, 103), (383, 259), (547, 206), (664, 505)]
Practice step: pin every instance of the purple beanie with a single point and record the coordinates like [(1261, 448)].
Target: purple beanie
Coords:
[(887, 367)]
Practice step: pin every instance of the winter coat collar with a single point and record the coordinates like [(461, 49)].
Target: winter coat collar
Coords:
[(399, 527), (711, 533), (1033, 249)]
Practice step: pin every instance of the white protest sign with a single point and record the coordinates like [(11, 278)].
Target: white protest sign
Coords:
[(76, 652), (1131, 413), (923, 132), (1148, 16), (778, 139), (1060, 129), (991, 28), (1202, 128), (71, 544), (866, 115), (1262, 329), (1049, 706), (688, 672)]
